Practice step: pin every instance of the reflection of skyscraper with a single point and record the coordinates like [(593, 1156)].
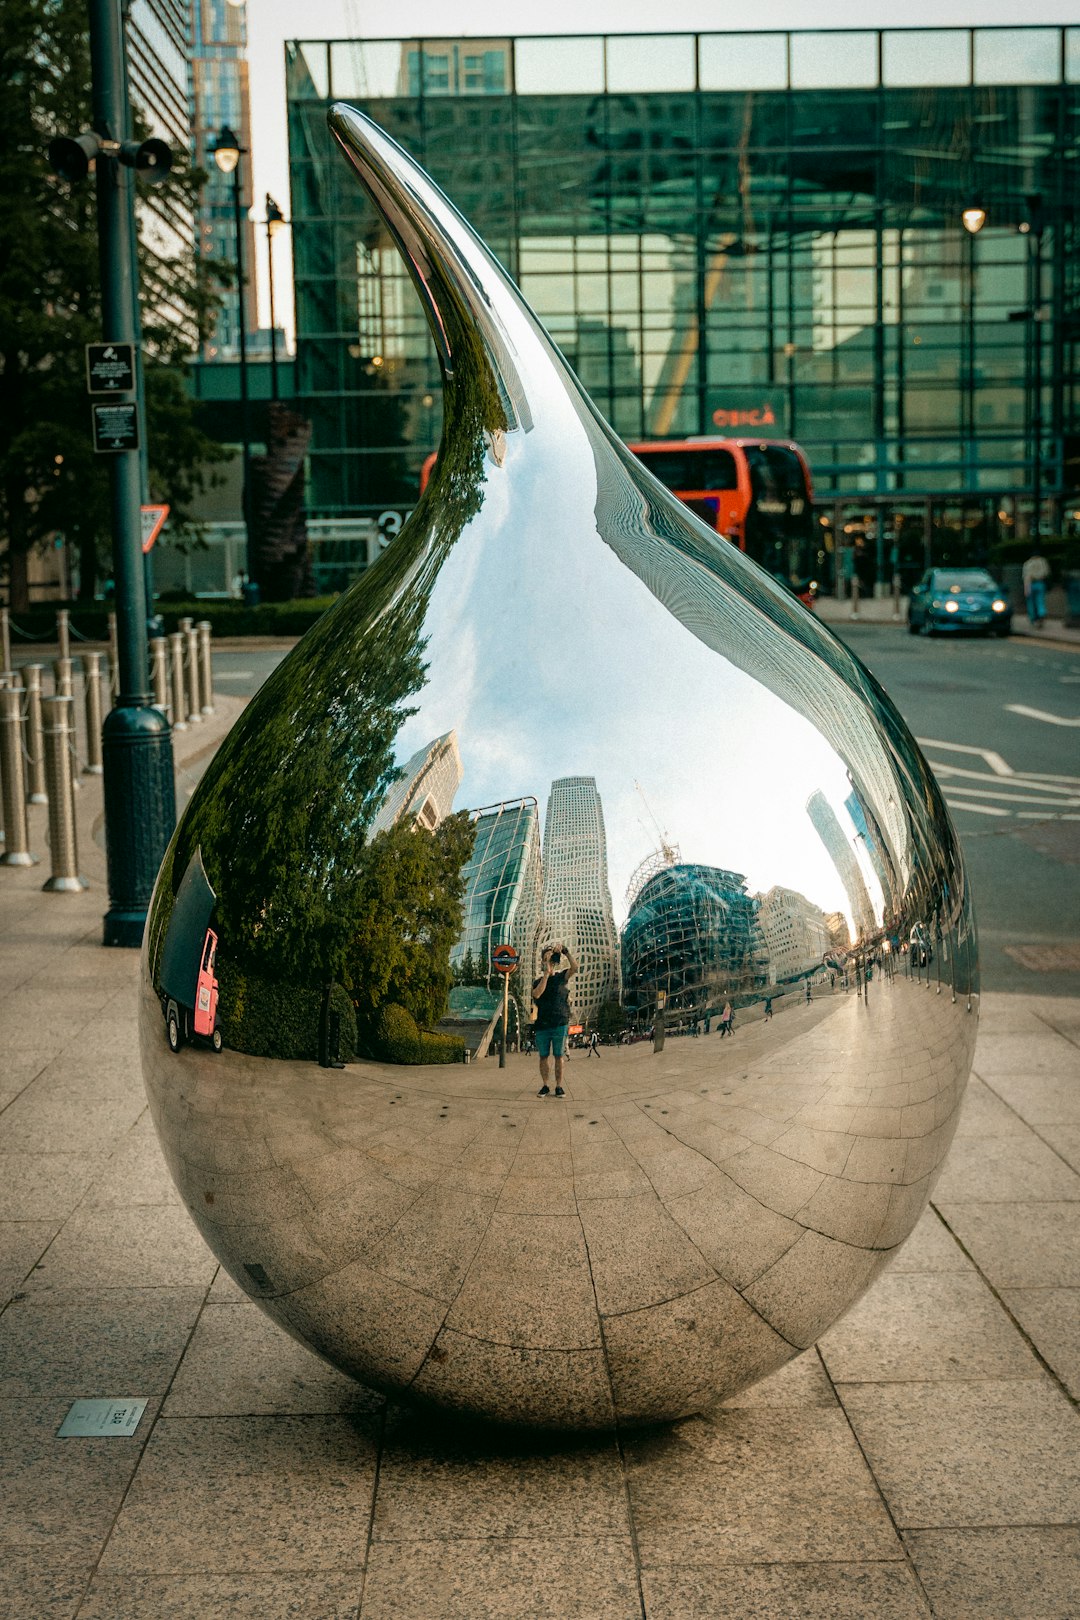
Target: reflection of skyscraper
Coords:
[(692, 932), (503, 888), (876, 848), (425, 789), (795, 933), (842, 855), (836, 925), (577, 899)]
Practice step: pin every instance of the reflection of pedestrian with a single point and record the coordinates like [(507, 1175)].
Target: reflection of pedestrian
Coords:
[(809, 997), (768, 1008), (1035, 573), (727, 1020), (551, 995), (594, 1042)]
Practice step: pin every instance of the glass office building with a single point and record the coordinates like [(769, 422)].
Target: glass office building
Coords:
[(745, 233)]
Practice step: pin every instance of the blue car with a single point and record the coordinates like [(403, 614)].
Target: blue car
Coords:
[(959, 599)]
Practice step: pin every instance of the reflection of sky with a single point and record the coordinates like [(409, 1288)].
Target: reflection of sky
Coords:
[(551, 658)]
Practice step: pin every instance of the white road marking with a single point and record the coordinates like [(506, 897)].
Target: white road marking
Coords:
[(234, 674), (1004, 786), (977, 809), (1013, 798), (994, 760), (1041, 714)]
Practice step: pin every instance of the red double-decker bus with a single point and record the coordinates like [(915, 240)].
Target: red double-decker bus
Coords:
[(757, 493)]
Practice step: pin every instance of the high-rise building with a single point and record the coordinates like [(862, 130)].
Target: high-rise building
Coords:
[(725, 228), (795, 932), (504, 889), (692, 932), (842, 855), (425, 787), (159, 79), (836, 925), (220, 97), (873, 842), (577, 897)]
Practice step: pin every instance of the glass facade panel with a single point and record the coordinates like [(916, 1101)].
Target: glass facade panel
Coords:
[(839, 59), (1072, 55), (563, 67), (368, 70), (1017, 55), (639, 62), (925, 57), (743, 62)]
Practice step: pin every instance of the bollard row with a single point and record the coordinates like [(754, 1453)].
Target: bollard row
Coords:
[(58, 726)]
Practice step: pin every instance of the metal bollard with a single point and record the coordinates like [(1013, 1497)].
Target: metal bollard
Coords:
[(63, 632), (114, 659), (62, 677), (59, 721), (35, 750), (159, 674), (178, 705), (5, 639), (191, 661), (17, 839), (206, 667), (92, 680)]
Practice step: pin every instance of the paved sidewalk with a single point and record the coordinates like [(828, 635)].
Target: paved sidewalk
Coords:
[(925, 1460)]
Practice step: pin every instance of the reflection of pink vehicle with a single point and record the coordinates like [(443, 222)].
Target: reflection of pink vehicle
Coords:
[(182, 1022), (188, 985)]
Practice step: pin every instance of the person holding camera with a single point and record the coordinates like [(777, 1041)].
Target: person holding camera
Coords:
[(551, 996)]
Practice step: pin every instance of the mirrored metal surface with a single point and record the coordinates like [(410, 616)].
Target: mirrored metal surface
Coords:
[(560, 715)]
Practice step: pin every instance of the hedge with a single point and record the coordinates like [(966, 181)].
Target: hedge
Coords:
[(396, 1038), (91, 621), (279, 1020)]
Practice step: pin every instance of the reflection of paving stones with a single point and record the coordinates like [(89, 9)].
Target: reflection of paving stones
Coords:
[(680, 1210)]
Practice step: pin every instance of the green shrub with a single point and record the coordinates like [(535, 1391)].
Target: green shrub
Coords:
[(278, 1020), (396, 1039), (90, 621)]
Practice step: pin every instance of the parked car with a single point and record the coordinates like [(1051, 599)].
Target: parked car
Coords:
[(188, 985), (959, 599)]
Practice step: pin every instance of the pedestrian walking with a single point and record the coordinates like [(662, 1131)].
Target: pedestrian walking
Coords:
[(1035, 575), (768, 1008), (727, 1020), (809, 997), (594, 1042)]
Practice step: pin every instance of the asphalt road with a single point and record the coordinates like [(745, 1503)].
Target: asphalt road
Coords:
[(994, 718)]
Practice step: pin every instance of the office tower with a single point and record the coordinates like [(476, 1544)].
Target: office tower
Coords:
[(577, 899), (842, 855), (425, 788), (874, 843), (159, 78), (795, 932), (220, 97), (504, 890)]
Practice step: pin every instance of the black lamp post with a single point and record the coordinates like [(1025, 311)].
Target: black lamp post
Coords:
[(275, 219), (1032, 227), (227, 153)]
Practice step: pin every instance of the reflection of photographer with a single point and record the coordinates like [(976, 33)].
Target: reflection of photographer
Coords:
[(551, 995)]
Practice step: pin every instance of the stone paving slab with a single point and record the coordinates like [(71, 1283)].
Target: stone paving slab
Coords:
[(924, 1461)]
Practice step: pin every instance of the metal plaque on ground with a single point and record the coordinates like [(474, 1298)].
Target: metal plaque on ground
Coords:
[(92, 1419)]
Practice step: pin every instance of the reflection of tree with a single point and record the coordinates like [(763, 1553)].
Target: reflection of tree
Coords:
[(284, 812), (406, 914)]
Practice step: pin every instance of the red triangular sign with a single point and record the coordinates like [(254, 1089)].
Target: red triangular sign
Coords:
[(153, 521)]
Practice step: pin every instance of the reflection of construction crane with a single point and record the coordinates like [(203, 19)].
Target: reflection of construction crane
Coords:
[(668, 854)]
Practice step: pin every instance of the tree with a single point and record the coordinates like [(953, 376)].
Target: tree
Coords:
[(610, 1019), (50, 479)]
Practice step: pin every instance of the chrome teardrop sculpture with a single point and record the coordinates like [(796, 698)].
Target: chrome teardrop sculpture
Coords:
[(558, 710)]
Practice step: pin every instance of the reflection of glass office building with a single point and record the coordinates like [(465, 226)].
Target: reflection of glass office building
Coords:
[(159, 71), (577, 898), (503, 889), (692, 931), (756, 232), (842, 855), (425, 787)]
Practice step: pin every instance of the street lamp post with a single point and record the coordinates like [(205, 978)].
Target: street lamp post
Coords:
[(227, 153), (275, 219), (1032, 227)]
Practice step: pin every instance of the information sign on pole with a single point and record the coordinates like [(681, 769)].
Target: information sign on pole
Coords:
[(116, 428), (153, 521), (110, 368), (504, 958)]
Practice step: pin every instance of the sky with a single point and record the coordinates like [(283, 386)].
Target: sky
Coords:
[(272, 22)]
